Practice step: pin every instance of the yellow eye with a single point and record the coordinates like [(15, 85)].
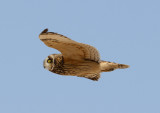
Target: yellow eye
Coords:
[(49, 61)]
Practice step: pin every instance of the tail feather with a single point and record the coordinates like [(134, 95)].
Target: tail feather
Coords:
[(110, 66)]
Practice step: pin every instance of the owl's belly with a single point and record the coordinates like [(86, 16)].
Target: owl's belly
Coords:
[(79, 68)]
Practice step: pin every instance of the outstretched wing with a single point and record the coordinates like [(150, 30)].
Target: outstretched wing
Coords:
[(71, 50)]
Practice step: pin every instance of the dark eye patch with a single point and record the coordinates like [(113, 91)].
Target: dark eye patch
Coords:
[(49, 61), (50, 57)]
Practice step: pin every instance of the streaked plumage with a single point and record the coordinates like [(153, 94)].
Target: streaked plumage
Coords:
[(77, 59)]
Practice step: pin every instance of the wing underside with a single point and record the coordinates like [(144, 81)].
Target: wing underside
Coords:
[(70, 49)]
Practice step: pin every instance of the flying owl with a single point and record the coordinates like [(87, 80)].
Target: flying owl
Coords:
[(76, 59)]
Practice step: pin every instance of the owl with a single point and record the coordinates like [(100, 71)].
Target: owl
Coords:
[(76, 59)]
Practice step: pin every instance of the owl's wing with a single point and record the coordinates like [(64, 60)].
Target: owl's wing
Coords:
[(71, 50)]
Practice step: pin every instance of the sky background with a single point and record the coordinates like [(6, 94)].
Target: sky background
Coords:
[(124, 31)]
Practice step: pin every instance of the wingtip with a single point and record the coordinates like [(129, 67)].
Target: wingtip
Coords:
[(44, 31)]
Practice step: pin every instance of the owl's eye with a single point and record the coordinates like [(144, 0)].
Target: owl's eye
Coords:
[(49, 61)]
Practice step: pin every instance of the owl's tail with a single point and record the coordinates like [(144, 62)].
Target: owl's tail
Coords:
[(110, 66)]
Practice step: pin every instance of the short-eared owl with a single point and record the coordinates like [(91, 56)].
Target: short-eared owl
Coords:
[(77, 59)]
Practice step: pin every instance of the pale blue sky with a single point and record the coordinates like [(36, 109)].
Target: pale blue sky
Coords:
[(124, 31)]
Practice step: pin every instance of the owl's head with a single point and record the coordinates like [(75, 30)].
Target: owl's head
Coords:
[(49, 62)]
